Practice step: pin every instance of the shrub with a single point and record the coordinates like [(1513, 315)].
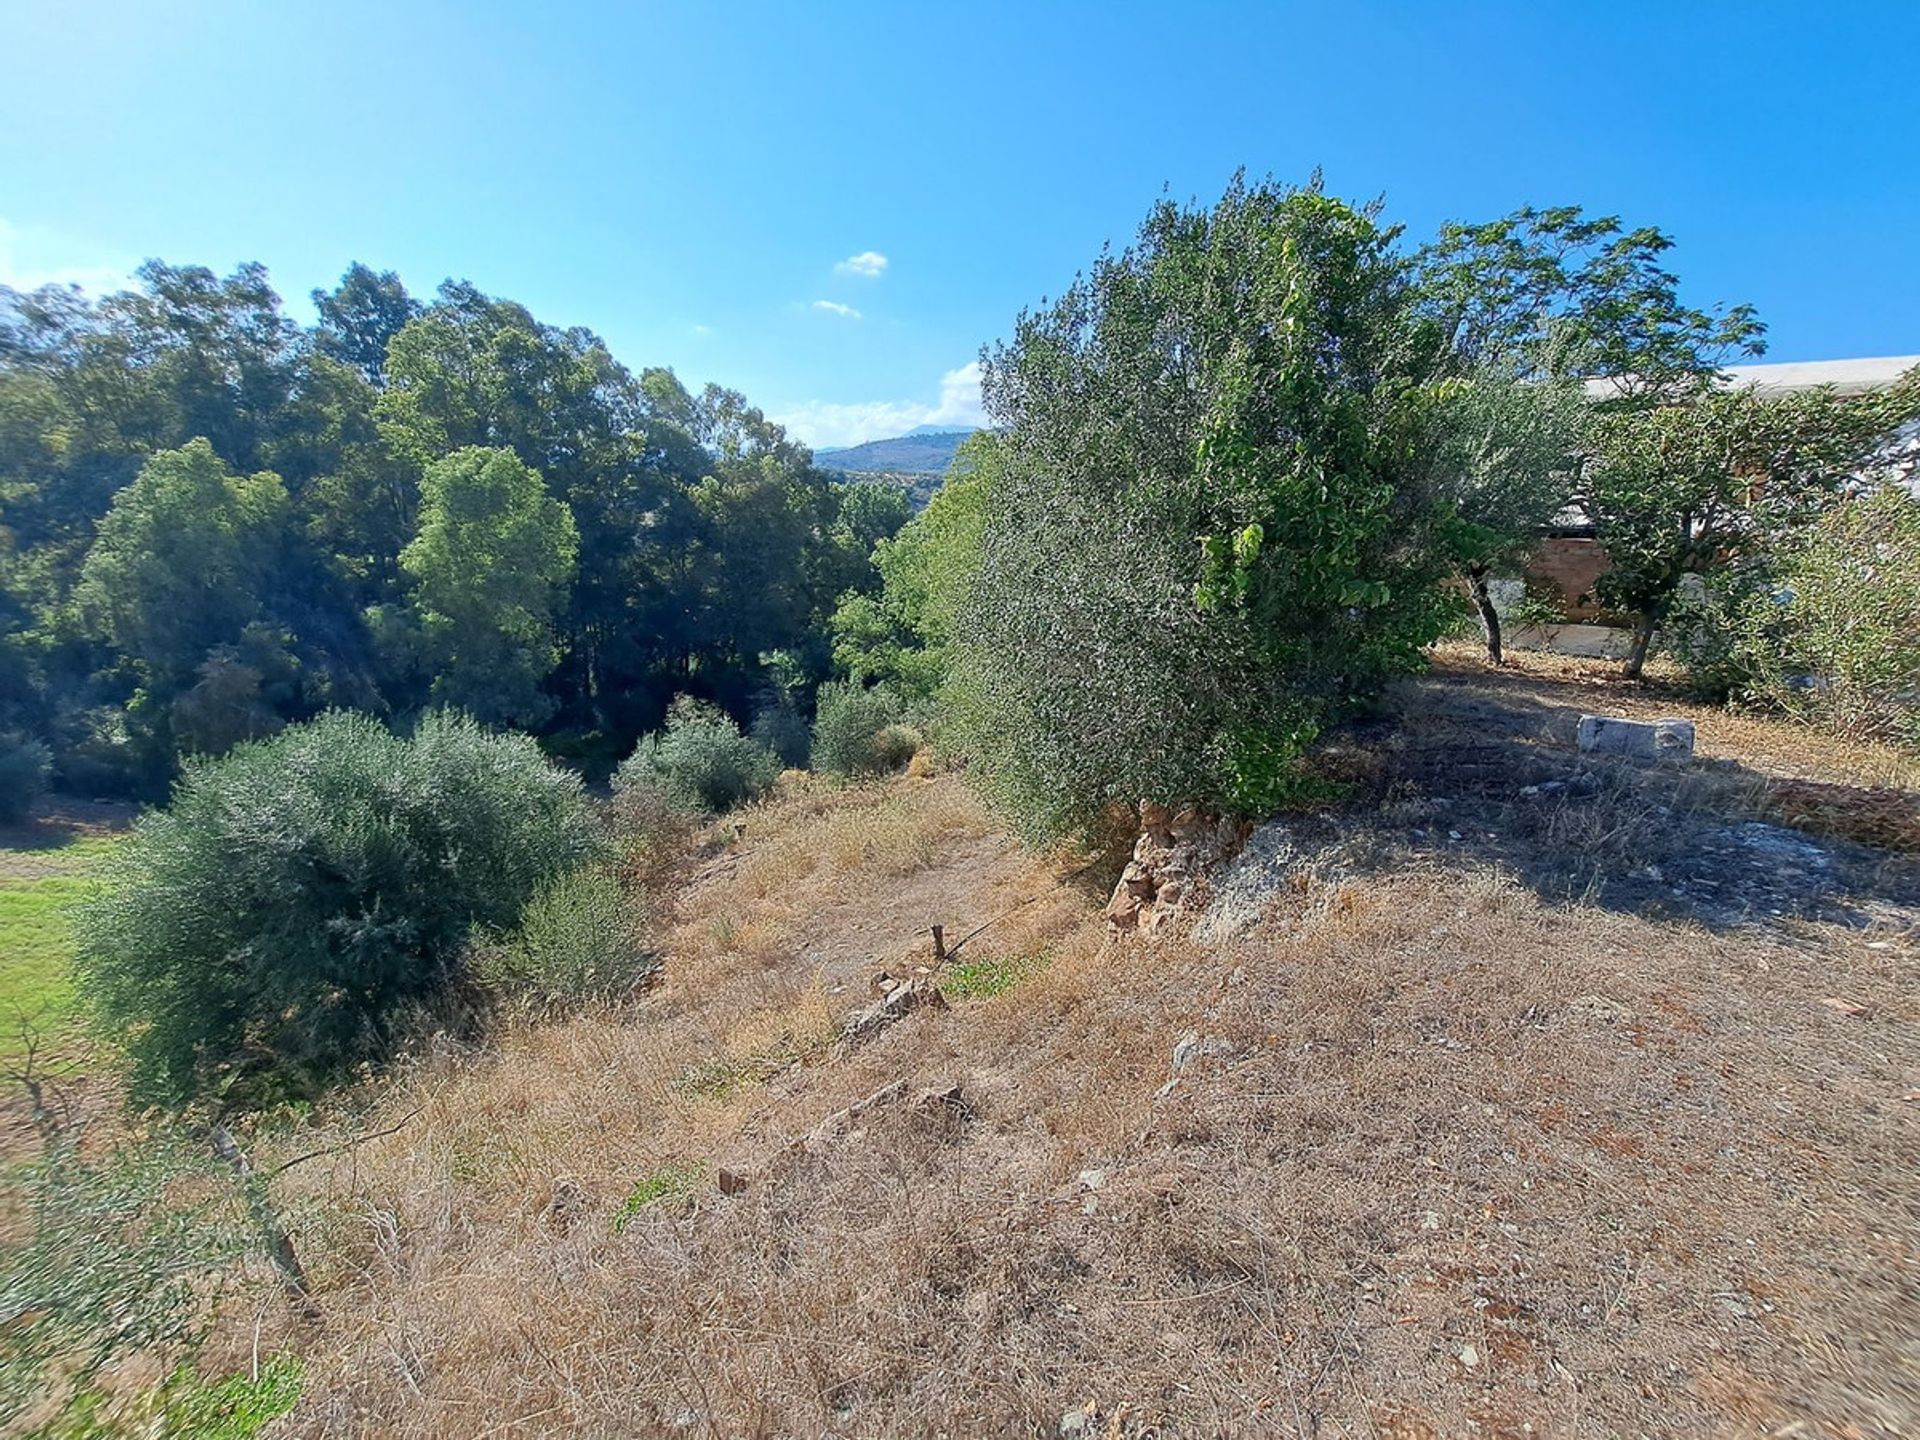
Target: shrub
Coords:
[(579, 938), (1851, 603), (700, 761), (25, 769), (848, 724), (306, 892), (895, 746), (783, 730)]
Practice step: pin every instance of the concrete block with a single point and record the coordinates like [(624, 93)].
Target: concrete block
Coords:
[(1650, 742)]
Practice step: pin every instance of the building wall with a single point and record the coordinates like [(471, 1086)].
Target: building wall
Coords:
[(1572, 563)]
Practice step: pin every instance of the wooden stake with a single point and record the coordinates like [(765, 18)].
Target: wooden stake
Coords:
[(939, 945)]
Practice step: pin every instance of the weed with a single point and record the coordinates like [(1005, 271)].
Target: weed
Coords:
[(675, 1181), (995, 975)]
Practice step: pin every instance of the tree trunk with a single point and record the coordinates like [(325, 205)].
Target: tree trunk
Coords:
[(273, 1235), (1643, 629), (1489, 617)]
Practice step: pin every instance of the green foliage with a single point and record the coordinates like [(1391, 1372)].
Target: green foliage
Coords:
[(360, 317), (782, 731), (492, 557), (25, 768), (1852, 603), (1503, 462), (236, 1407), (183, 559), (581, 937), (1684, 489), (673, 1183), (1553, 292), (895, 746), (700, 762), (305, 893), (901, 638), (995, 975), (851, 726), (118, 1252), (1212, 520), (705, 539), (1828, 631)]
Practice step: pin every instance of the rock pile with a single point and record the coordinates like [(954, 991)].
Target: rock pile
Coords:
[(1171, 860)]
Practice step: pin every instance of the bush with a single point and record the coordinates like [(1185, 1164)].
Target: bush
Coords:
[(306, 892), (895, 746), (1851, 604), (580, 938), (849, 722), (783, 730), (26, 766), (700, 762)]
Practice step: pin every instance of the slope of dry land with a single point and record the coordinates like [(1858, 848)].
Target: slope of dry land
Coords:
[(1513, 1095)]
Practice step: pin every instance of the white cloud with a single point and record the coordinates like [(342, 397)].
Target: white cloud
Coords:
[(834, 307), (32, 256), (700, 331), (826, 425), (868, 264)]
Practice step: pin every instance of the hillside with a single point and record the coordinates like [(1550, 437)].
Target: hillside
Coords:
[(923, 451), (1517, 1093)]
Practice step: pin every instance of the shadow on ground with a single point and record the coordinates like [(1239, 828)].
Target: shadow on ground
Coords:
[(1465, 769)]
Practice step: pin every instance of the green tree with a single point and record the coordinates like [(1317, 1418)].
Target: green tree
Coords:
[(902, 636), (700, 762), (1556, 292), (278, 923), (1211, 528), (360, 316), (1685, 488), (1850, 606), (1501, 466), (183, 560), (490, 565)]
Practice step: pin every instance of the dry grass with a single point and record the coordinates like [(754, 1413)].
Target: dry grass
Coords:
[(1766, 744), (1448, 1155)]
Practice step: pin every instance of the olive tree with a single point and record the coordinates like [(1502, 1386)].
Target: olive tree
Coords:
[(1502, 468), (302, 895), (1212, 526)]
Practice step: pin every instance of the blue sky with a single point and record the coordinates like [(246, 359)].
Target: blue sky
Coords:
[(691, 180)]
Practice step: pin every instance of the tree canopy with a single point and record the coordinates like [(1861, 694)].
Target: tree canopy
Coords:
[(199, 498)]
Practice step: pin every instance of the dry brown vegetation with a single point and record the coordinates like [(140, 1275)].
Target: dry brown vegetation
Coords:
[(1480, 1130)]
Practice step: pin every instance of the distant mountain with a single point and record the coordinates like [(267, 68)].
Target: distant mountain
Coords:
[(925, 450)]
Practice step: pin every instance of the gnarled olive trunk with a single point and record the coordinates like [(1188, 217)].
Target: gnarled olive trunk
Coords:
[(1489, 617)]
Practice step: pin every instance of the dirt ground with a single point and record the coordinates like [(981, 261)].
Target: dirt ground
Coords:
[(1530, 1097)]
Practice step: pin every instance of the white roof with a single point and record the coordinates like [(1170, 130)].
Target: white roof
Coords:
[(1847, 377)]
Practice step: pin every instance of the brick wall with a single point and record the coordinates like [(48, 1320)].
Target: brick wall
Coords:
[(1572, 563)]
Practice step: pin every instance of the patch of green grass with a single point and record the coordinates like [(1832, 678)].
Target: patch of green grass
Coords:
[(235, 1408), (38, 890), (674, 1181), (982, 979)]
